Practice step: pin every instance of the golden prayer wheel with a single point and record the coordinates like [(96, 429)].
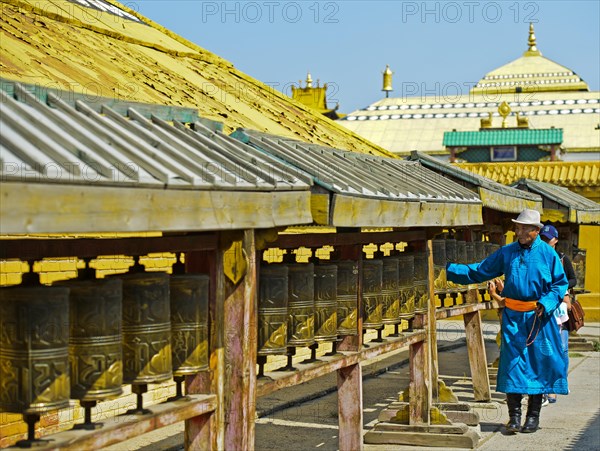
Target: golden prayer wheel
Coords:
[(470, 249), (390, 291), (421, 282), (406, 278), (325, 280), (301, 304), (461, 251), (273, 310), (440, 284), (189, 323), (146, 328), (95, 346), (372, 284), (34, 350), (347, 296)]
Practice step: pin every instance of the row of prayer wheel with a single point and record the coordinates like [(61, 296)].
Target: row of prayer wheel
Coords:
[(82, 339), (445, 250), (300, 304)]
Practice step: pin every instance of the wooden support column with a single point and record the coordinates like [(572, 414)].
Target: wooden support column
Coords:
[(239, 346), (202, 433), (431, 324), (419, 389), (477, 356), (350, 404)]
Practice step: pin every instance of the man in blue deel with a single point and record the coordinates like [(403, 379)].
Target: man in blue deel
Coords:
[(531, 357)]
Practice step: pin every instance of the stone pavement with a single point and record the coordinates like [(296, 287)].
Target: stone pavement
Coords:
[(573, 423)]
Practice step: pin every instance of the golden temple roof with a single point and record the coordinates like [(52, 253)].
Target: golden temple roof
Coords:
[(126, 56)]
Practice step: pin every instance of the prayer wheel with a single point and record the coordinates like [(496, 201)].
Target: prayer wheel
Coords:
[(325, 281), (34, 350), (440, 284), (95, 347), (146, 328), (301, 304), (406, 276), (372, 284), (189, 323), (347, 296), (273, 310), (461, 252), (470, 249), (489, 248), (390, 291), (421, 282), (451, 250), (479, 251)]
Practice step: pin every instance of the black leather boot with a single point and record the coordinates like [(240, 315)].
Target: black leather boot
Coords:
[(532, 421), (513, 401)]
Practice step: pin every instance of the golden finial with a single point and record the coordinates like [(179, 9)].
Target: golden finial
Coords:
[(522, 122), (387, 80), (486, 123), (504, 111), (532, 50), (308, 80)]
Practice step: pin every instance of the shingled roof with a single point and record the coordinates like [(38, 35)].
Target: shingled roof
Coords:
[(119, 53)]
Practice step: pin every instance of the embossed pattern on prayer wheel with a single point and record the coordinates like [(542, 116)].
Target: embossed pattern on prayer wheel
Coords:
[(34, 349), (273, 310), (390, 291), (189, 323), (440, 284), (146, 328), (301, 304), (406, 278), (347, 295), (325, 302), (461, 251), (421, 282), (479, 251), (372, 284), (95, 341)]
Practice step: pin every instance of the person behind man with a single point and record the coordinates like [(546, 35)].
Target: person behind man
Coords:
[(549, 235), (531, 357)]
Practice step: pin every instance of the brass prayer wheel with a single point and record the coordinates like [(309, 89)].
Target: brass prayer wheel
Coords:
[(489, 249), (347, 296), (301, 304), (272, 310), (451, 250), (372, 284), (440, 284), (406, 277), (390, 291), (470, 258), (34, 349), (189, 323), (479, 251), (421, 282), (461, 251), (325, 280), (146, 328), (95, 346)]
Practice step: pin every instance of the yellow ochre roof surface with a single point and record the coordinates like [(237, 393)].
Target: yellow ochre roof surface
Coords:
[(63, 45), (560, 173)]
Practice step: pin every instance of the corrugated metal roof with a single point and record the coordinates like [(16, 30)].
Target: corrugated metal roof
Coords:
[(501, 137), (71, 47), (504, 198), (69, 161), (349, 174), (581, 210)]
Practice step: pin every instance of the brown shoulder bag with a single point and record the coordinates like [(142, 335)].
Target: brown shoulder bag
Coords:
[(576, 315)]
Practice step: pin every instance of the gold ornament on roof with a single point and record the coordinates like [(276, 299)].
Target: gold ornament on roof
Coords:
[(504, 111), (486, 123), (532, 50), (308, 80), (387, 80)]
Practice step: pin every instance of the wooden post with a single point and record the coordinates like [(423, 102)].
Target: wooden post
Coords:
[(350, 405), (419, 388), (477, 356), (201, 433), (431, 324)]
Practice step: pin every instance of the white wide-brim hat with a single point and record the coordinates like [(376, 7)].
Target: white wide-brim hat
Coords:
[(529, 217)]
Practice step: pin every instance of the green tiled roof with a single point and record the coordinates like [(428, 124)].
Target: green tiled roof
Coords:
[(503, 137)]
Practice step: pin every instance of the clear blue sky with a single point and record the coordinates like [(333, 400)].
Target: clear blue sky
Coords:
[(432, 47)]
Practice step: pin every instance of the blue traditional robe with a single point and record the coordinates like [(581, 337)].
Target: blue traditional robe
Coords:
[(531, 357)]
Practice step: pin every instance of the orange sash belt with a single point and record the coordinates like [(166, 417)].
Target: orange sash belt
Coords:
[(520, 306)]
